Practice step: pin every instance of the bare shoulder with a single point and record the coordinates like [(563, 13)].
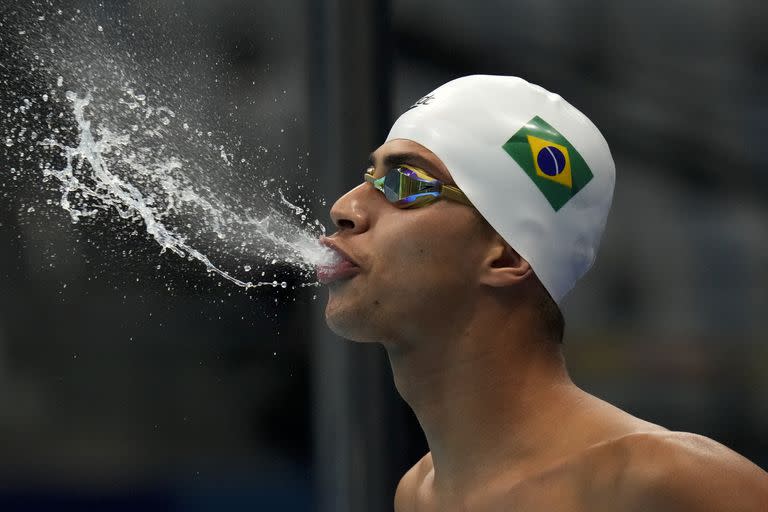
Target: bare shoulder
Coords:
[(405, 495), (687, 472)]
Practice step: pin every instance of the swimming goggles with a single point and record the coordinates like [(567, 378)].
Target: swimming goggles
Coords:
[(406, 186)]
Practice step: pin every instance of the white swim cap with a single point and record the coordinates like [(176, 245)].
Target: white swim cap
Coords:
[(535, 167)]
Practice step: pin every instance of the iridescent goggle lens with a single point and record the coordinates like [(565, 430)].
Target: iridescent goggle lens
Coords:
[(408, 187)]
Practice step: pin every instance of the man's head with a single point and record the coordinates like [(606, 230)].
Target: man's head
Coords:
[(540, 179)]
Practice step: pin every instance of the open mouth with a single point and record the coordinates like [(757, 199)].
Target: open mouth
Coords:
[(341, 268)]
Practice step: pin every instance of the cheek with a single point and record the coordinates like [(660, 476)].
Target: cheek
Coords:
[(421, 259), (418, 265)]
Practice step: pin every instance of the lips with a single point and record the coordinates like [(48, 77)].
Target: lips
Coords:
[(343, 267), (337, 272)]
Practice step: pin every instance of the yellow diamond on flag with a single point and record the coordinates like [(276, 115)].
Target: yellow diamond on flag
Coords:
[(554, 165), (551, 161)]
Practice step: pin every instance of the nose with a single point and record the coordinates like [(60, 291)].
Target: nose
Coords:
[(351, 212)]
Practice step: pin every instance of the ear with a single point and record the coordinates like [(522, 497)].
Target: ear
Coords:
[(503, 266)]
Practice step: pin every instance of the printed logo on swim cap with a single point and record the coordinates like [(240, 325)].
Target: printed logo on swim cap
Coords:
[(552, 163), (424, 100)]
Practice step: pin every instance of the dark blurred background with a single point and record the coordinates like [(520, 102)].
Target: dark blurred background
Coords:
[(127, 388)]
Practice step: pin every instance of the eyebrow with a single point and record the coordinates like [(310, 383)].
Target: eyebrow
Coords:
[(405, 157)]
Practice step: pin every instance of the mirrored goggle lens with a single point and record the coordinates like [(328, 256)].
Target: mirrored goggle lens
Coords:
[(417, 199), (402, 183)]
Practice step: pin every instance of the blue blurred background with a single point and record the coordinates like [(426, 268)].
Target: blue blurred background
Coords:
[(123, 388)]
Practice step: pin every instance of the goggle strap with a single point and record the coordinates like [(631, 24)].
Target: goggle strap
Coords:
[(455, 194)]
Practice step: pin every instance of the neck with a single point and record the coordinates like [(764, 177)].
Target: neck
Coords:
[(489, 398)]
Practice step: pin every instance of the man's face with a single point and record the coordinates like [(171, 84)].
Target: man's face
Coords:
[(418, 267)]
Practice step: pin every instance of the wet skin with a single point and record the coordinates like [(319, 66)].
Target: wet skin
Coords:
[(409, 260), (506, 426)]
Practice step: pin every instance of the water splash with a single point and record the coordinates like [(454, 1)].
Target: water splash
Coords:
[(130, 139), (90, 185)]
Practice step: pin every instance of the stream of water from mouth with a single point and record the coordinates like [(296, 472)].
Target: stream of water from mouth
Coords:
[(79, 115), (88, 175)]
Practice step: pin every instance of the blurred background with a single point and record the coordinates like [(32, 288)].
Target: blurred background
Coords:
[(125, 387)]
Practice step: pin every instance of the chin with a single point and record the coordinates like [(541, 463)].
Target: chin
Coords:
[(349, 326), (350, 322)]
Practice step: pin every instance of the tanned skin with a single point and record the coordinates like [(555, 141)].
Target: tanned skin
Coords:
[(456, 309)]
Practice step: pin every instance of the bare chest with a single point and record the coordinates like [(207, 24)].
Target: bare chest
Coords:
[(567, 489)]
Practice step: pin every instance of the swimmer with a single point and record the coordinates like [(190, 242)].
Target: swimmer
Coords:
[(477, 215)]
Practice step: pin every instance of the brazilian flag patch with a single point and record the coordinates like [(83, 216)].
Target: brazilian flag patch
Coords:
[(552, 163)]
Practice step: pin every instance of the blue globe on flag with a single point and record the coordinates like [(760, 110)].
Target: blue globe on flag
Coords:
[(551, 161)]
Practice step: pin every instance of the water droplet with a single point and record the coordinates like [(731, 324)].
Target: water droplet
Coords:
[(100, 28), (45, 97), (30, 210), (152, 203), (9, 142)]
